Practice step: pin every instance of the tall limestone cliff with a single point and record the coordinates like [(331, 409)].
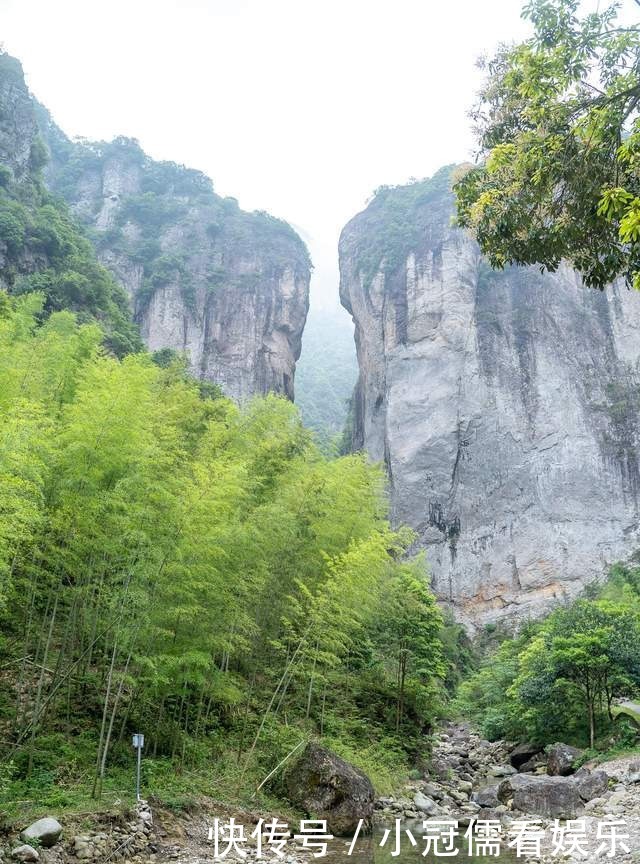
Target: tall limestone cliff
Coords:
[(228, 288), (506, 406)]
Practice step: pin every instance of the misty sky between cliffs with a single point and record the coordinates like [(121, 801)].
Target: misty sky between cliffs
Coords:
[(298, 107)]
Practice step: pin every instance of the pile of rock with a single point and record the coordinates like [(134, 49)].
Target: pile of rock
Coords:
[(461, 762), (123, 841), (43, 842), (473, 778)]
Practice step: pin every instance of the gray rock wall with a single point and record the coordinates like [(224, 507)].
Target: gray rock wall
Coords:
[(229, 288), (505, 405)]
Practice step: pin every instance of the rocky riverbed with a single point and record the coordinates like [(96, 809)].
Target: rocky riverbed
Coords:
[(469, 781), (473, 779)]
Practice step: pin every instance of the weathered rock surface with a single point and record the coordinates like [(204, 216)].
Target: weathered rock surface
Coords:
[(326, 786), (425, 804), (25, 853), (557, 797), (590, 784), (504, 404), (522, 754), (487, 797), (228, 288), (561, 759), (18, 127), (633, 774), (45, 831)]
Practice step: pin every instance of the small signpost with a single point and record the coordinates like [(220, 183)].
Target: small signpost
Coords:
[(138, 743)]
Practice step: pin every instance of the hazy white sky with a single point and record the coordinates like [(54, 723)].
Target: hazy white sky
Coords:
[(298, 107)]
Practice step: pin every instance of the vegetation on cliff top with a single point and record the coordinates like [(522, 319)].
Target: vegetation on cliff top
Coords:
[(394, 223), (171, 214), (43, 248)]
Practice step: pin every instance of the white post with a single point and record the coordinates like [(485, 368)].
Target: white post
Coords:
[(138, 743)]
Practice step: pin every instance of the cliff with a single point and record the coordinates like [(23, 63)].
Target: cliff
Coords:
[(199, 275), (228, 288), (504, 404)]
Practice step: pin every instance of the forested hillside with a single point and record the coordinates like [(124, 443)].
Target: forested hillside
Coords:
[(174, 564), (41, 246)]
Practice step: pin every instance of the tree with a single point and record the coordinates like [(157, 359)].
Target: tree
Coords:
[(410, 629), (558, 127), (590, 651)]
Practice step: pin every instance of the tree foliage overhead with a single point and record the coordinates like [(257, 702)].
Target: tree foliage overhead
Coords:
[(558, 127)]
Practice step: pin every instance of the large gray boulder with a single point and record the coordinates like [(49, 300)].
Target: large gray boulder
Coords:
[(523, 754), (561, 759), (425, 804), (487, 797), (326, 786), (590, 784), (556, 797), (46, 832)]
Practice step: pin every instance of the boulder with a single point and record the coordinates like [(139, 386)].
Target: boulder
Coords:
[(328, 787), (25, 853), (633, 772), (432, 791), (532, 765), (502, 770), (487, 797), (522, 754), (560, 759), (557, 797), (46, 832), (425, 804), (590, 784)]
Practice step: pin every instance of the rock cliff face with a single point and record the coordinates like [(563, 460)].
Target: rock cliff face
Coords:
[(505, 406), (229, 288)]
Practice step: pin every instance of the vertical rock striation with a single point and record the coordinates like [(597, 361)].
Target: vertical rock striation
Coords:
[(506, 406)]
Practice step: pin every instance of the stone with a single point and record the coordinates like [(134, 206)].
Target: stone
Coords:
[(25, 853), (532, 765), (46, 832), (425, 804), (591, 784), (560, 759), (502, 458), (323, 784), (633, 772), (523, 754), (432, 791), (556, 797), (502, 770), (487, 797)]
